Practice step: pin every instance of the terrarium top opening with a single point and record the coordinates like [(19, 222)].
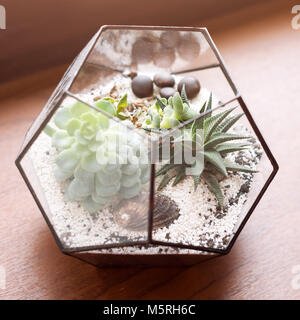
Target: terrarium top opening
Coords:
[(147, 51)]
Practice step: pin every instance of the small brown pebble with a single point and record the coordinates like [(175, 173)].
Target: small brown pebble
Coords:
[(97, 98), (245, 187), (142, 86), (130, 74), (164, 79), (170, 39), (188, 47), (130, 108), (192, 86), (167, 92), (134, 120)]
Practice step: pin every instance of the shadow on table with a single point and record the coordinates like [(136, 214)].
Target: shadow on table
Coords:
[(64, 277)]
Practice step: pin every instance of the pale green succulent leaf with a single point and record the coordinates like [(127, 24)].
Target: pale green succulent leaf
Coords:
[(216, 160), (49, 130), (80, 149), (90, 118), (177, 106), (106, 106), (197, 168), (198, 123), (184, 97), (106, 191), (196, 179), (165, 168), (83, 175), (67, 160), (168, 111), (189, 114), (203, 108), (165, 180), (121, 106), (208, 107), (80, 188), (61, 140), (90, 163), (61, 117), (228, 123), (131, 192), (72, 126), (169, 123), (61, 175), (87, 130), (211, 124), (145, 174), (109, 178), (231, 166), (170, 102), (129, 168), (103, 121), (156, 121), (180, 175), (161, 103), (221, 138), (101, 200), (91, 206), (78, 108), (129, 181), (94, 145), (224, 148), (213, 186), (123, 115)]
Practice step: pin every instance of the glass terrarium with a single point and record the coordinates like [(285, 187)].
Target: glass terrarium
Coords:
[(146, 153)]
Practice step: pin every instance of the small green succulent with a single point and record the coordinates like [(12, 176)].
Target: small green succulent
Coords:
[(215, 142), (167, 114), (99, 160)]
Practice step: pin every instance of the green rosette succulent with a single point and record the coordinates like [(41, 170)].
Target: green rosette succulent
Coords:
[(101, 160)]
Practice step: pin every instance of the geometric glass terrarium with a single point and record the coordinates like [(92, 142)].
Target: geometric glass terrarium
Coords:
[(146, 152)]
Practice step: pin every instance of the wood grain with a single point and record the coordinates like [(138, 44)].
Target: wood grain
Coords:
[(263, 56)]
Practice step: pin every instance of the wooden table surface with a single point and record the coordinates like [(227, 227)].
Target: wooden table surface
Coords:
[(263, 56)]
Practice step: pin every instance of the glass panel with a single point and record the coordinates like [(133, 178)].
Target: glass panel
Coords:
[(140, 255), (207, 211), (63, 85), (91, 175), (150, 50)]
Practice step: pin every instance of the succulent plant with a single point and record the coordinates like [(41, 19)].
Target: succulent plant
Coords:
[(167, 114), (99, 160), (215, 143)]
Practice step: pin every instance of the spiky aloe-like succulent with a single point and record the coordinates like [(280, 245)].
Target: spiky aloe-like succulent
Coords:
[(100, 162), (215, 141)]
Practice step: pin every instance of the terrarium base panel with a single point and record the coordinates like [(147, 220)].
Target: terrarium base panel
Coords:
[(155, 260)]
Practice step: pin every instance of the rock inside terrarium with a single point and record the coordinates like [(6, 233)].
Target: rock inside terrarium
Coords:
[(134, 214)]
